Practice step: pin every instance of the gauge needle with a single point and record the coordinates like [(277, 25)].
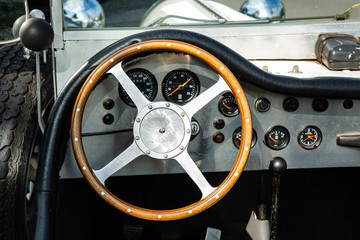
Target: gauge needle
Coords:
[(310, 136), (226, 105), (272, 139), (238, 138), (182, 85)]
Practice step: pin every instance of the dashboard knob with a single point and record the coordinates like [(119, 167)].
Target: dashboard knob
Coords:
[(277, 166)]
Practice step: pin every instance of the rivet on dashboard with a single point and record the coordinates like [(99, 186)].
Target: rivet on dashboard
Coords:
[(150, 107), (188, 131), (147, 152), (129, 210), (183, 114), (165, 156), (181, 148), (138, 120), (167, 105), (137, 138)]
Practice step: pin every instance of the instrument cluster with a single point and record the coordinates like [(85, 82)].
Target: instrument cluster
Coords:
[(178, 86), (181, 85)]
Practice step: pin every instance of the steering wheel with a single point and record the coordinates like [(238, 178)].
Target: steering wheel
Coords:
[(174, 122)]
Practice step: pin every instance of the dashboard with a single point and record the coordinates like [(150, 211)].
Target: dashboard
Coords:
[(301, 130)]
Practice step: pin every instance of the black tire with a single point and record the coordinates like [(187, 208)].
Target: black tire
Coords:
[(19, 135)]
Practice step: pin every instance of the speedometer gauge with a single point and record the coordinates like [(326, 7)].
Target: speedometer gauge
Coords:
[(144, 81), (180, 86), (309, 137)]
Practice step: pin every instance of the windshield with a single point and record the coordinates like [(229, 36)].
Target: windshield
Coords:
[(150, 13)]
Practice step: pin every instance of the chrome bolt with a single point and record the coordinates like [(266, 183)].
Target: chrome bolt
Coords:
[(188, 131), (150, 107), (183, 114), (181, 148), (147, 152), (138, 120), (167, 104), (137, 138), (165, 156)]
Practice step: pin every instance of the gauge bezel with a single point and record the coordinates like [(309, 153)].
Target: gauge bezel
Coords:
[(270, 144), (224, 96), (316, 143), (195, 79), (153, 81), (239, 129)]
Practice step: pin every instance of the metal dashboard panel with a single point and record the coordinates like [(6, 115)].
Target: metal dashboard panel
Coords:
[(208, 155)]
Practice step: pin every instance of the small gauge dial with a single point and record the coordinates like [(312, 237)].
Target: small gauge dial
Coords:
[(237, 136), (277, 137), (180, 86), (145, 82), (310, 137), (228, 105)]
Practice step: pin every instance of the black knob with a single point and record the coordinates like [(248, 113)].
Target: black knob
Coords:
[(277, 166), (291, 104), (36, 34)]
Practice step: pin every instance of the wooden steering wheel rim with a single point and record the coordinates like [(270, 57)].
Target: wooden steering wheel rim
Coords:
[(174, 214)]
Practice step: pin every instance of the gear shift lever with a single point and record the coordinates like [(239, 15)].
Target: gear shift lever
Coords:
[(277, 167)]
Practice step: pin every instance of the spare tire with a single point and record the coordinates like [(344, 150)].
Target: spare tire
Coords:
[(19, 137)]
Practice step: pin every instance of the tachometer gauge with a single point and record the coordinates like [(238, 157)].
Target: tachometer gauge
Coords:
[(180, 86), (277, 137), (145, 82), (228, 105), (237, 136), (309, 137)]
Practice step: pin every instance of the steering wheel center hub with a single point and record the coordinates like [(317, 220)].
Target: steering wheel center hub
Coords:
[(162, 130)]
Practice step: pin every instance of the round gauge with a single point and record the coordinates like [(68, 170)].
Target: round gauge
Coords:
[(310, 137), (180, 86), (277, 137), (228, 105), (237, 135), (145, 82)]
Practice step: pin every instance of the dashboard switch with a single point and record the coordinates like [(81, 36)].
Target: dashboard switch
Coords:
[(320, 105), (262, 104), (348, 140), (218, 137), (291, 104), (219, 123)]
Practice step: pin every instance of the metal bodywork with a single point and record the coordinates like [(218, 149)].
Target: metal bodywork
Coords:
[(283, 48)]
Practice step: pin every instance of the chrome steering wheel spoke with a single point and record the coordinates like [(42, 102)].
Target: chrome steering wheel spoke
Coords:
[(204, 98), (134, 93), (187, 163), (118, 163)]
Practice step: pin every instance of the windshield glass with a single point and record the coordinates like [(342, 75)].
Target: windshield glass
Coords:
[(150, 13)]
